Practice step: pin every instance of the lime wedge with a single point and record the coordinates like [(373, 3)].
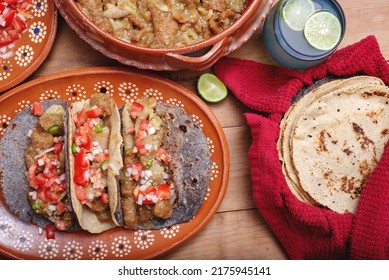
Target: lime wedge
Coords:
[(210, 88), (296, 13), (323, 30)]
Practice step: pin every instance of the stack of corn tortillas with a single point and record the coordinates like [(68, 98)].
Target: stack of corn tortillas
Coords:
[(331, 140)]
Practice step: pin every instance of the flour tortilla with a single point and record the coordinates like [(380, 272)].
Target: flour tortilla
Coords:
[(287, 125), (86, 217)]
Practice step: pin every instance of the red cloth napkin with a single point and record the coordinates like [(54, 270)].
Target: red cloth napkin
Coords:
[(307, 232)]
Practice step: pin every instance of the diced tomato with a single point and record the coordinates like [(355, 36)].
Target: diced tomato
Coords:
[(141, 134), (50, 174), (41, 193), (144, 125), (104, 198), (163, 191), (141, 147), (18, 24), (83, 137), (11, 2), (49, 232), (37, 109), (162, 155), (8, 17), (94, 112), (101, 157), (137, 169), (81, 193), (54, 197), (61, 208), (130, 130), (80, 169), (135, 109), (80, 118), (61, 225), (32, 170), (58, 148), (2, 8), (38, 181)]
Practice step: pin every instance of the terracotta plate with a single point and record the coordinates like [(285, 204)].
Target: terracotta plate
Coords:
[(23, 241), (20, 59)]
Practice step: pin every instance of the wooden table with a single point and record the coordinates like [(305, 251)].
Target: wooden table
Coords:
[(237, 231)]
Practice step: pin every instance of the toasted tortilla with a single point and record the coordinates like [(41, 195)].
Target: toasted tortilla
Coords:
[(190, 164), (332, 139), (307, 96), (14, 183), (86, 217)]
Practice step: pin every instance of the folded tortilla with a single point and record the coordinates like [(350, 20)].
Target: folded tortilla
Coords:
[(14, 174), (190, 168), (87, 218)]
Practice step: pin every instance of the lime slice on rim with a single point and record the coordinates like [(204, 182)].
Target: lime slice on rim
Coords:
[(323, 30), (210, 88), (296, 13)]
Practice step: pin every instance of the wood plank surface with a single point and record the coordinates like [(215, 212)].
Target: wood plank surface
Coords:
[(238, 230)]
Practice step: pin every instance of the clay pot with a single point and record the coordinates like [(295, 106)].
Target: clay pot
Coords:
[(196, 57)]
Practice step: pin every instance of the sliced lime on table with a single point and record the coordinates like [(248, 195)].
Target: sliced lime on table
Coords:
[(210, 88), (296, 13), (323, 30)]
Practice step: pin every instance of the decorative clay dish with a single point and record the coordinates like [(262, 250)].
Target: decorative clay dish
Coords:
[(21, 58), (23, 241), (197, 57)]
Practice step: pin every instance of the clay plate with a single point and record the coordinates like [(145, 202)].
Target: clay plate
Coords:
[(23, 241), (20, 60)]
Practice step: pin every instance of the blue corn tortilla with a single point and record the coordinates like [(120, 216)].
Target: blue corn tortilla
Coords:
[(191, 166), (13, 169)]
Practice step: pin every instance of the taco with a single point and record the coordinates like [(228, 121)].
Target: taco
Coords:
[(35, 181), (95, 160), (167, 166)]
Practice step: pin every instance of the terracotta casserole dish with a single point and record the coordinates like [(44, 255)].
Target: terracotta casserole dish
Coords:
[(198, 56)]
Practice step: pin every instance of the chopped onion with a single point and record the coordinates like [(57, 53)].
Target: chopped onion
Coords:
[(142, 174), (44, 152), (90, 196), (58, 180), (151, 130), (90, 157), (41, 162), (52, 208), (148, 146), (148, 173), (140, 200), (29, 133), (32, 195), (143, 188), (143, 181), (62, 177), (40, 231), (95, 143)]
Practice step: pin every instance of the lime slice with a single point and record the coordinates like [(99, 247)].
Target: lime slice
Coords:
[(296, 13), (210, 88), (323, 30)]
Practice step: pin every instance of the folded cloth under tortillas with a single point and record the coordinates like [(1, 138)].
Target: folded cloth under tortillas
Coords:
[(332, 138)]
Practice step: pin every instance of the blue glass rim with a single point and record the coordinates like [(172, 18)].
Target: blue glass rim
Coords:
[(285, 46)]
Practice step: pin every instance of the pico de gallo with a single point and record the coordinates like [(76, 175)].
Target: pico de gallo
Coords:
[(91, 155), (14, 15), (45, 159), (146, 185)]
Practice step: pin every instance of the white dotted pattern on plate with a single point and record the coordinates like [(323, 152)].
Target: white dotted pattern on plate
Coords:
[(121, 246)]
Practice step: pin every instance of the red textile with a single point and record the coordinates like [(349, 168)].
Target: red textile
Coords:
[(307, 232)]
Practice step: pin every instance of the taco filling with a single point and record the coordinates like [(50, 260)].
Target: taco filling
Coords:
[(91, 155), (147, 187), (45, 160)]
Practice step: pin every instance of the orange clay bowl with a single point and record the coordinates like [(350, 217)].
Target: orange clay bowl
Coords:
[(197, 57)]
